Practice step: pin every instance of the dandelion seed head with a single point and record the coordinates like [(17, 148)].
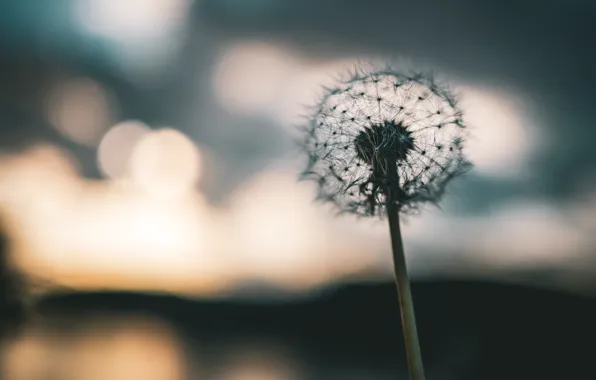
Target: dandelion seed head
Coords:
[(382, 130)]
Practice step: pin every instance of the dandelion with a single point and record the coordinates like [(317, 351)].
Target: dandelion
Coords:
[(383, 143)]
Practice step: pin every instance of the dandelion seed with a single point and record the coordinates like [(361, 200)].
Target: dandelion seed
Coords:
[(396, 127), (401, 128)]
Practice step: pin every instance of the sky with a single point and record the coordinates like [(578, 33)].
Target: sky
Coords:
[(149, 144)]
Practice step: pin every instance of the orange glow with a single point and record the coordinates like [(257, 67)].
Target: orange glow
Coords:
[(127, 348), (282, 237), (107, 234), (25, 359), (275, 236), (115, 234), (121, 240), (37, 183), (123, 233)]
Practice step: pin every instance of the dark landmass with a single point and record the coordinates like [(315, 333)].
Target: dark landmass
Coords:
[(468, 330)]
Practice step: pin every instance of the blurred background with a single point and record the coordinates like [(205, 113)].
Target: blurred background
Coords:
[(148, 189)]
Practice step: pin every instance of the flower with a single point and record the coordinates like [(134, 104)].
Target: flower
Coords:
[(383, 131)]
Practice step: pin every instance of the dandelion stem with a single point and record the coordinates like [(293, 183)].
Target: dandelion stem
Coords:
[(406, 303)]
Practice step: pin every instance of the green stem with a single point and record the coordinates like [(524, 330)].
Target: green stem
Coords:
[(406, 303)]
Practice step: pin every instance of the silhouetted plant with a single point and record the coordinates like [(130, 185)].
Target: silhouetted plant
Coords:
[(382, 143), (13, 294)]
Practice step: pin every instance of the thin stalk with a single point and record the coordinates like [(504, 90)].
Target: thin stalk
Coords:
[(406, 303)]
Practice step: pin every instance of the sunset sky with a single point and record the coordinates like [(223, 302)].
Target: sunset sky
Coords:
[(155, 149)]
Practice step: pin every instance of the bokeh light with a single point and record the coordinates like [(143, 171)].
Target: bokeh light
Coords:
[(502, 137), (89, 233), (116, 147), (541, 233), (81, 110), (248, 76), (255, 77), (259, 78), (115, 234), (130, 19), (303, 87), (165, 163), (143, 37)]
